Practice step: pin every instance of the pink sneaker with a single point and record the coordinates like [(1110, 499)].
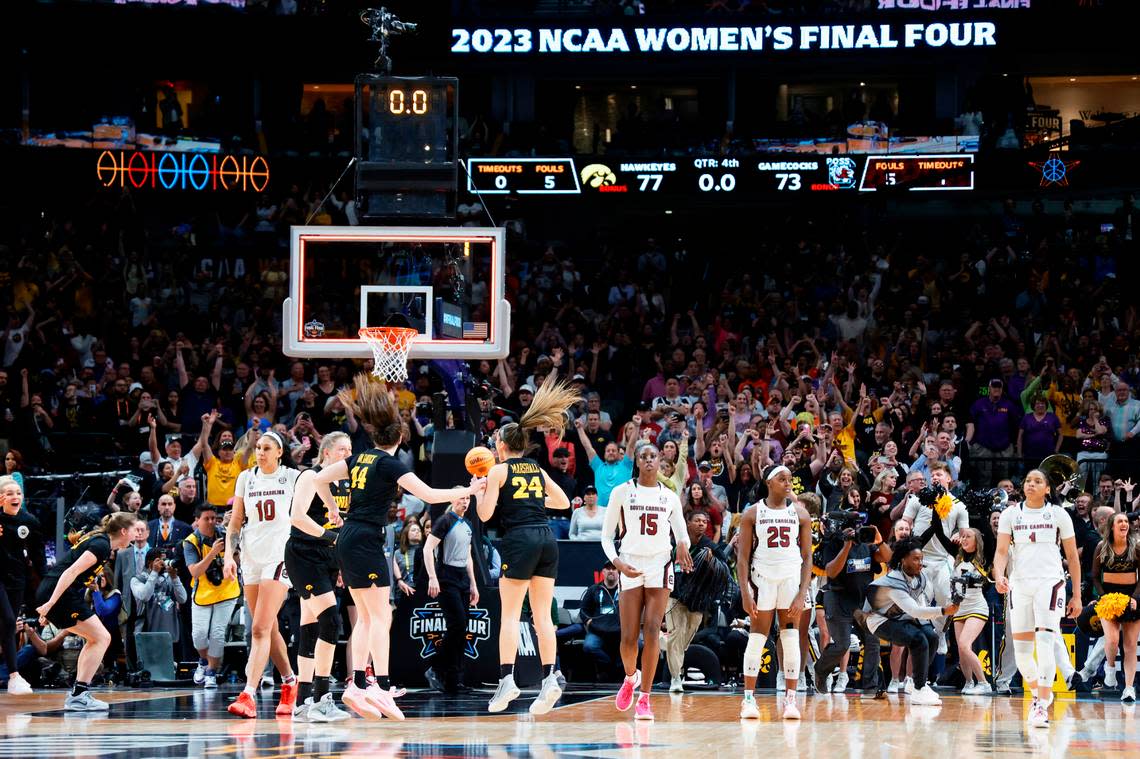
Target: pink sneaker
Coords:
[(791, 711), (357, 700), (624, 698), (644, 710), (382, 700)]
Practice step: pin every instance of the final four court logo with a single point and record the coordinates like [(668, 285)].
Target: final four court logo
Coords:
[(427, 625)]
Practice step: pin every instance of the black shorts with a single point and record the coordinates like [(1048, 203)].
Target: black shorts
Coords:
[(360, 552), (71, 608), (312, 567), (529, 552)]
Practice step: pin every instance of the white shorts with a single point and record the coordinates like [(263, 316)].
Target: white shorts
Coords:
[(773, 592), (255, 573), (656, 571), (1036, 604)]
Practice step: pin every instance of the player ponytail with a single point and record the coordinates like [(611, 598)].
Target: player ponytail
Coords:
[(327, 443), (370, 403), (548, 409), (109, 525)]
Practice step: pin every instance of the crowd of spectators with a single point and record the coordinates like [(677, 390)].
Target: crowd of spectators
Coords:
[(860, 352)]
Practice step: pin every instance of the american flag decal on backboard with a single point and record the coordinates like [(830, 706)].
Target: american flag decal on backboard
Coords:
[(474, 330)]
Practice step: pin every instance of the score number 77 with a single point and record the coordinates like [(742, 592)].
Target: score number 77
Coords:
[(646, 179)]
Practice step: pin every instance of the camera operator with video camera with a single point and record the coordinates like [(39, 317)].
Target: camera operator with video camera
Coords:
[(898, 609), (214, 596), (851, 553), (158, 593)]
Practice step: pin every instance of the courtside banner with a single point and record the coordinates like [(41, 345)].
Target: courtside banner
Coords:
[(710, 40)]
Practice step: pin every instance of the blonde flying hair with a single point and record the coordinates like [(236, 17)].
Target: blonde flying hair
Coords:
[(548, 409), (370, 402), (110, 525)]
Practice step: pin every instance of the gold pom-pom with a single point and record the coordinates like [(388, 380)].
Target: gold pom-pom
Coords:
[(1112, 605), (943, 505)]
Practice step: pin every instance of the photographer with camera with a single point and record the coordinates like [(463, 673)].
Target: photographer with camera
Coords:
[(898, 609), (851, 553), (158, 593), (214, 596)]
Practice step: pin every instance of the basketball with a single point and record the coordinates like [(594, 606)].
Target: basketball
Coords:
[(479, 461)]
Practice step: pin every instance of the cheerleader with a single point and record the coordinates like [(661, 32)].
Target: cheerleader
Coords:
[(260, 519), (310, 559), (375, 475), (519, 490), (645, 513), (62, 601), (1115, 562), (20, 539), (973, 611)]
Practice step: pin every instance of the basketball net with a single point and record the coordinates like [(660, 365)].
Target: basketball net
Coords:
[(389, 351)]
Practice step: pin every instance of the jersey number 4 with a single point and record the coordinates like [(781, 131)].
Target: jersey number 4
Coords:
[(266, 510), (527, 487), (779, 537)]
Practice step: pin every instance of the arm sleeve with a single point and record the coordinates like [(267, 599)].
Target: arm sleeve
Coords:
[(610, 521), (903, 600)]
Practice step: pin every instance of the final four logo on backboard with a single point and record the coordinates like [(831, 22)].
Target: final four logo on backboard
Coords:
[(427, 625)]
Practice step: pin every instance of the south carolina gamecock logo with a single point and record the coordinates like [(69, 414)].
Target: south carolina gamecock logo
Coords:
[(427, 625)]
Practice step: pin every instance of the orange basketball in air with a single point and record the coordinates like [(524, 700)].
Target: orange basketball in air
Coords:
[(479, 461)]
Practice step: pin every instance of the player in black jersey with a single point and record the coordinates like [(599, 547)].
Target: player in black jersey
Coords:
[(310, 559), (20, 541), (61, 601), (520, 493), (375, 477)]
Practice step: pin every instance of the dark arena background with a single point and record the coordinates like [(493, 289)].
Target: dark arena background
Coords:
[(865, 266)]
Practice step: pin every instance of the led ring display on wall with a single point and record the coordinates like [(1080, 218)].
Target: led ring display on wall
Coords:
[(182, 171)]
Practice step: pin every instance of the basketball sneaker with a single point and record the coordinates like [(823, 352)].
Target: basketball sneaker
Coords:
[(288, 699), (624, 698), (908, 686), (895, 686), (505, 693), (382, 699), (749, 709), (644, 709), (244, 706), (356, 699), (301, 713), (791, 711), (549, 694), (84, 702), (1128, 696), (325, 710), (18, 686), (676, 685), (1038, 716), (210, 681), (200, 673), (925, 696)]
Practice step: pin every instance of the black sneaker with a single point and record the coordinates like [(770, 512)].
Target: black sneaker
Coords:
[(1077, 684), (433, 680)]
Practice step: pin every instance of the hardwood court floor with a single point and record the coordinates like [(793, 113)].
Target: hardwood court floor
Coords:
[(194, 723)]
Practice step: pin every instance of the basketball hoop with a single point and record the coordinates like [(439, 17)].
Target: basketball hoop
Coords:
[(389, 350)]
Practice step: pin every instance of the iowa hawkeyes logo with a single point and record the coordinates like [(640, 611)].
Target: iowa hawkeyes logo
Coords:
[(372, 575), (766, 661), (598, 175), (309, 587), (984, 658), (504, 567), (75, 615)]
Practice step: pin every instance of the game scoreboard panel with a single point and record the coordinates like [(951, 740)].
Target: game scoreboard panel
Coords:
[(774, 174)]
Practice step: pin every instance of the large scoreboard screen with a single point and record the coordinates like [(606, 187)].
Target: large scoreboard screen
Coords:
[(728, 176)]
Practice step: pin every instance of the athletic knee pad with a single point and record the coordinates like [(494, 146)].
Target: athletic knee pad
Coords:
[(790, 643), (326, 625), (308, 643), (1026, 664), (754, 654), (1046, 657)]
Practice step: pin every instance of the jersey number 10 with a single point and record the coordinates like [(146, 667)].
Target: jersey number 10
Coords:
[(266, 510)]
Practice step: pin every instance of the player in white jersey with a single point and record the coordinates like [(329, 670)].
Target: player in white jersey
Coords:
[(645, 515), (1037, 585), (775, 547), (263, 497)]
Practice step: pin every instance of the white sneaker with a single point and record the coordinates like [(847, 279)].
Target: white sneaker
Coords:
[(325, 710), (210, 681), (908, 686), (1128, 696), (791, 711), (267, 681), (676, 685), (199, 674), (749, 709), (301, 711), (84, 702), (801, 684), (970, 689), (1110, 678), (505, 693), (780, 685), (548, 695), (841, 683), (18, 686), (925, 696), (894, 686), (1038, 716), (982, 689)]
